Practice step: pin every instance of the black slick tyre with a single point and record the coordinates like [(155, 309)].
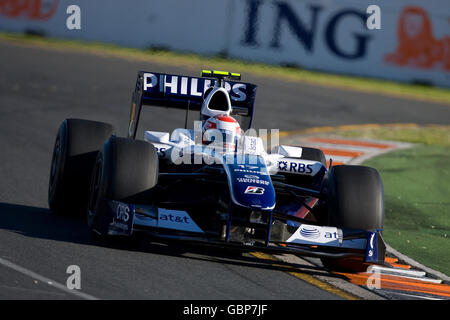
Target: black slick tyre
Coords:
[(126, 170), (74, 154), (355, 199)]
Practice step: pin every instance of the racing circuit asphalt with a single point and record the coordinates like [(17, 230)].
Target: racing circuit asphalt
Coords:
[(39, 88)]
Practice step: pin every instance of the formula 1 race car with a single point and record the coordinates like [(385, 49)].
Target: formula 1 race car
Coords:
[(215, 183)]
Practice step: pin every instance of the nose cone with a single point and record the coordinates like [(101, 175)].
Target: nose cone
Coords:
[(250, 185)]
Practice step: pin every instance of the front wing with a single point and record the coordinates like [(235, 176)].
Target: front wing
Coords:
[(305, 239)]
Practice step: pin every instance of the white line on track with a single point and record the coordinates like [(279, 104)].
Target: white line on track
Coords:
[(416, 296), (48, 281), (399, 271), (430, 280)]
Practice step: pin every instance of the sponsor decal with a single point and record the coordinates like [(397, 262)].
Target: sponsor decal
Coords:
[(249, 167), (161, 151), (255, 172), (298, 167), (371, 247), (252, 145), (257, 181), (123, 219), (254, 190), (282, 165), (309, 232), (122, 212), (189, 86), (371, 250), (176, 219), (316, 234)]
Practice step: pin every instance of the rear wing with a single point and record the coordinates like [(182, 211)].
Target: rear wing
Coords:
[(185, 92)]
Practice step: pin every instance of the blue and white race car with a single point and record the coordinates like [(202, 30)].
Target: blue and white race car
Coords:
[(215, 183)]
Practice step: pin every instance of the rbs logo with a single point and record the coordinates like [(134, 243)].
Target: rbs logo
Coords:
[(122, 212)]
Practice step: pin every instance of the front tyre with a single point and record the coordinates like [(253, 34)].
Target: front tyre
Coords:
[(355, 199), (126, 171), (75, 151)]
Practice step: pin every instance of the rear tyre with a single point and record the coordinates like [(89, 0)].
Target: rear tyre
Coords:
[(126, 170), (355, 200), (75, 151)]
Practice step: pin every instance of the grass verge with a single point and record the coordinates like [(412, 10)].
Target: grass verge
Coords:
[(417, 188), (198, 62), (429, 135)]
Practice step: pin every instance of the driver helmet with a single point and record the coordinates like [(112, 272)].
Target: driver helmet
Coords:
[(223, 126)]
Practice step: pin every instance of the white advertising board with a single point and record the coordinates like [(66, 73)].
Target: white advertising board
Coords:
[(412, 43)]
